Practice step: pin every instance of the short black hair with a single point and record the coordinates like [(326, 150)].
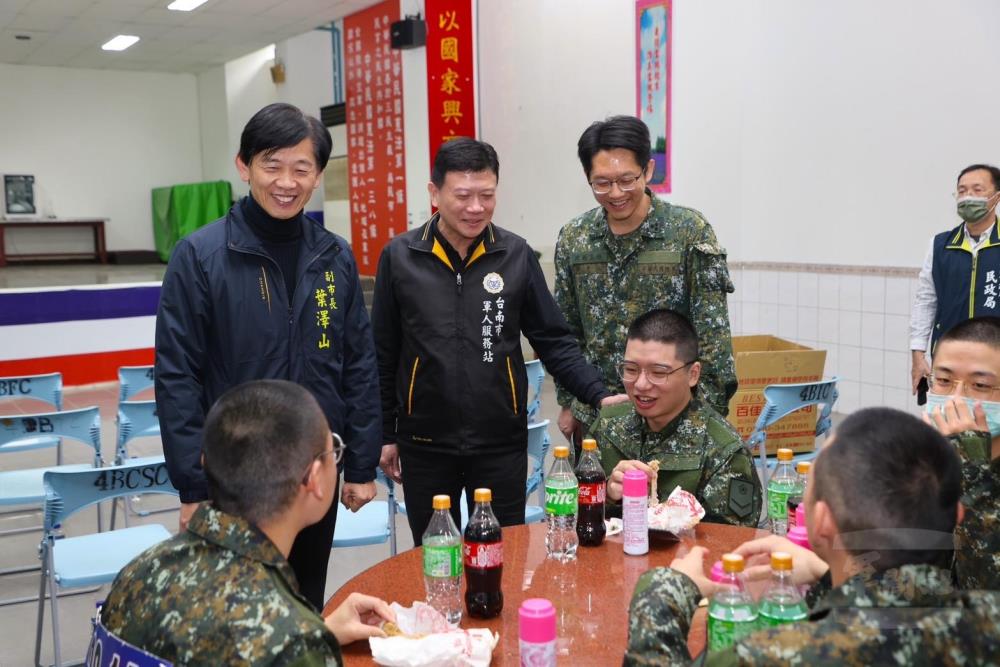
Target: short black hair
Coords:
[(281, 125), (260, 437), (464, 154), (669, 327), (984, 329), (994, 173), (893, 485), (626, 132)]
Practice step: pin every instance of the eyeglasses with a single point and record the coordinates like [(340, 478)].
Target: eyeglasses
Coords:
[(337, 450), (655, 374), (626, 183), (947, 385)]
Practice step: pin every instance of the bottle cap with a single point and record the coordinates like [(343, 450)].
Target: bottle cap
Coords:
[(537, 621), (635, 483), (785, 454), (561, 452), (482, 495), (717, 573), (781, 560), (589, 444), (802, 467), (442, 502), (732, 563)]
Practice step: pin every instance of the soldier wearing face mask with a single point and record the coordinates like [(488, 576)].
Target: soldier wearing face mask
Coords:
[(960, 277)]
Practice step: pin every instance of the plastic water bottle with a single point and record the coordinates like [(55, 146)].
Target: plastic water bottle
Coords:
[(801, 478), (635, 513), (731, 611), (779, 490), (798, 534), (537, 633), (781, 602), (442, 547), (561, 489)]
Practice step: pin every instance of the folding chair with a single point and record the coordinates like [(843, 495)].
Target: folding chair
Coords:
[(44, 388), (108, 650), (94, 559), (781, 400), (536, 375), (372, 524), (136, 419), (132, 380)]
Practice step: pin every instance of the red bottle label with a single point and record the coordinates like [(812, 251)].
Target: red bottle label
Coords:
[(483, 554), (592, 493)]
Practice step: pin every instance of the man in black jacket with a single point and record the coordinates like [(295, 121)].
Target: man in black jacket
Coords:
[(268, 293), (451, 301)]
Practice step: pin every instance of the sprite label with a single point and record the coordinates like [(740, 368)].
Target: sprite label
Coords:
[(777, 502), (443, 561), (560, 500)]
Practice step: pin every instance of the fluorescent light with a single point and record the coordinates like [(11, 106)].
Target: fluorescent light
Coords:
[(120, 43), (185, 5)]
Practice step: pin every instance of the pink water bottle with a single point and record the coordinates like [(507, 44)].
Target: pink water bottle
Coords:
[(635, 520), (537, 633), (798, 533)]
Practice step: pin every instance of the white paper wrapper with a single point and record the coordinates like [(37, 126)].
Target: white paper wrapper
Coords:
[(679, 512), (442, 645)]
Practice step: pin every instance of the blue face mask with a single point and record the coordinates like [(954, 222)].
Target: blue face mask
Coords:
[(991, 408)]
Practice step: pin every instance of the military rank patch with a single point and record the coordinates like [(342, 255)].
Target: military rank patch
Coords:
[(741, 497)]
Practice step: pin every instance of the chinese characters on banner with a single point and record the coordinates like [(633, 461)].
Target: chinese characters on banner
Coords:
[(653, 23), (451, 95), (377, 169)]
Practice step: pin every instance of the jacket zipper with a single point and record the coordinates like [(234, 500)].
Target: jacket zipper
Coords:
[(972, 286), (458, 282), (513, 390), (413, 381)]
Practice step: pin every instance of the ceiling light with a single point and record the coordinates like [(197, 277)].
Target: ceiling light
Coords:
[(185, 5), (120, 43)]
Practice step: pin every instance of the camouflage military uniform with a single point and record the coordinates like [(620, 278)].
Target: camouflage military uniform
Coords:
[(699, 451), (905, 616), (604, 282), (977, 538), (219, 594)]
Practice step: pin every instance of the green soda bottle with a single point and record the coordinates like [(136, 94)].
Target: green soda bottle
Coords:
[(780, 488), (782, 602), (732, 613)]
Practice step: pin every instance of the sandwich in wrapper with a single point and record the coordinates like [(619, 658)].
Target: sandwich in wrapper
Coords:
[(680, 512)]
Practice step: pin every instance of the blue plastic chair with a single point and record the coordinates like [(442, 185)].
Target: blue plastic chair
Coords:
[(136, 419), (108, 650), (45, 388), (536, 375), (372, 524), (95, 559), (132, 380)]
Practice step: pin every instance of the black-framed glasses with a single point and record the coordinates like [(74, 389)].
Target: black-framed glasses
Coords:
[(947, 386), (655, 374), (626, 183), (337, 450)]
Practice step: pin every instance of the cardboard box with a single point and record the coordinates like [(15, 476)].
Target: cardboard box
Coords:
[(767, 360)]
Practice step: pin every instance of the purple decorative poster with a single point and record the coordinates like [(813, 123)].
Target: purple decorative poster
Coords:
[(653, 22)]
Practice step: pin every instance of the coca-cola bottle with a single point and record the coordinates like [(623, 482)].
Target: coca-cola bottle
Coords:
[(483, 551), (593, 486)]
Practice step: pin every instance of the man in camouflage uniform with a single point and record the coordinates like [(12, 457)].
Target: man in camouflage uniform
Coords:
[(881, 505), (968, 357), (633, 253), (695, 447), (223, 592)]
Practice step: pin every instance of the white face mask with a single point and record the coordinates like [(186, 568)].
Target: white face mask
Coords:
[(991, 408)]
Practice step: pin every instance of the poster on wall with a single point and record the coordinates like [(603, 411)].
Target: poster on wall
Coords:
[(375, 156), (451, 94), (653, 23)]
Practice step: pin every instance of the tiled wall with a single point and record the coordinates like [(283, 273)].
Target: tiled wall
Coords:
[(859, 315)]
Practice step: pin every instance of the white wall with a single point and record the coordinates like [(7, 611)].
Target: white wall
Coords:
[(807, 131), (216, 157), (97, 142)]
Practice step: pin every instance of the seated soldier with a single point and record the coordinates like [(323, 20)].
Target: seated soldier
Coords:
[(223, 592), (967, 358), (666, 422), (881, 506)]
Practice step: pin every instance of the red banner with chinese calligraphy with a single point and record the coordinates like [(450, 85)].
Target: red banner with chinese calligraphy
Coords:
[(451, 94), (377, 168), (653, 23)]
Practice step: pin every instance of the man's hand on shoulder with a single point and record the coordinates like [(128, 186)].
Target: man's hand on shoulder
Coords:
[(187, 510), (614, 399), (355, 496)]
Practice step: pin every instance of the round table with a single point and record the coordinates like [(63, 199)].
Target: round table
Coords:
[(591, 595)]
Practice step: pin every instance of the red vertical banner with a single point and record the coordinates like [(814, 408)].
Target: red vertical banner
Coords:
[(451, 93), (377, 168)]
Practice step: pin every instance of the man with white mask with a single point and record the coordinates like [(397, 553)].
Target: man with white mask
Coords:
[(960, 277)]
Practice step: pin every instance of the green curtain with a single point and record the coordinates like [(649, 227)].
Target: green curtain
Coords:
[(178, 210)]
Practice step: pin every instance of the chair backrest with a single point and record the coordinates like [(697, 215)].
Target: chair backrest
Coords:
[(68, 492), (536, 374), (136, 419), (83, 425), (132, 380), (46, 388), (781, 400), (108, 650), (538, 447)]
